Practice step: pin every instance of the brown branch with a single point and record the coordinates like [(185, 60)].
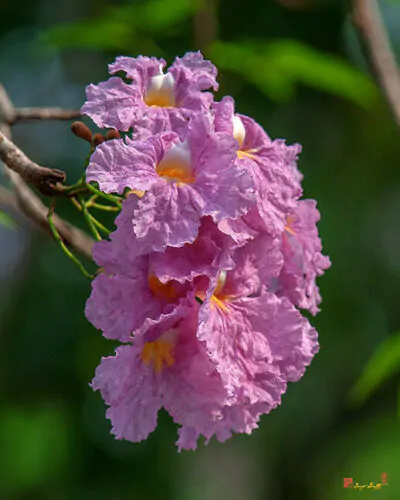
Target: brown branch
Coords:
[(369, 24), (206, 25), (11, 115), (31, 206), (8, 199), (25, 114), (28, 203), (41, 177)]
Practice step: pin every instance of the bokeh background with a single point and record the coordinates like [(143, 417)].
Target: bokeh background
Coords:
[(297, 67)]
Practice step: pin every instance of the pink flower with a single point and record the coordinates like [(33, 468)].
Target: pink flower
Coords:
[(272, 165), (211, 251), (258, 344), (119, 304), (135, 286), (183, 182), (303, 260), (203, 277), (166, 366), (129, 292), (249, 331), (153, 102)]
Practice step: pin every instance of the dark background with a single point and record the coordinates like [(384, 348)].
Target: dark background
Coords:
[(297, 68)]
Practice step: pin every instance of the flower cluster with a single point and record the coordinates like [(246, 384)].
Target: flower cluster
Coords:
[(213, 255)]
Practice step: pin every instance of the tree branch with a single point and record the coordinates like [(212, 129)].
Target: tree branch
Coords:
[(41, 177), (26, 114), (369, 24), (8, 199), (28, 203)]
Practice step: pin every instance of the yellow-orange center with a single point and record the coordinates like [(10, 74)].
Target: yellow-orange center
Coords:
[(175, 171), (289, 221), (160, 91), (218, 298), (246, 154), (219, 302), (239, 133), (163, 99), (165, 290), (289, 230), (158, 353), (176, 165)]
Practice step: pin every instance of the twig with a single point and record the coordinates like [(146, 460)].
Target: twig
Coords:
[(92, 222), (99, 225), (206, 25), (106, 208), (26, 114), (6, 111), (29, 204), (41, 177), (368, 22), (88, 219), (36, 211), (59, 240), (110, 197), (8, 199)]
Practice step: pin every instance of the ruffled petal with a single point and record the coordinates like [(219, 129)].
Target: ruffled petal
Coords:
[(116, 165), (140, 69), (129, 389), (110, 306), (198, 70), (166, 216), (110, 104), (211, 251), (253, 340), (303, 260)]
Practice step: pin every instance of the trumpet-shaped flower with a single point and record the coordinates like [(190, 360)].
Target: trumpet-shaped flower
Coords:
[(136, 286), (183, 182), (203, 278), (166, 366), (272, 165), (153, 101), (247, 329), (303, 260)]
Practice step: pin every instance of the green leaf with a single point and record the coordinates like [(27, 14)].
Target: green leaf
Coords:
[(97, 34), (120, 28), (276, 68), (398, 403), (34, 446), (7, 221), (159, 15), (384, 363)]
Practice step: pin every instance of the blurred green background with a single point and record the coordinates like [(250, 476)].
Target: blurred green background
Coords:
[(295, 66)]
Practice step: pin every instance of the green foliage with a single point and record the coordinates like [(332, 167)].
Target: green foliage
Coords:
[(6, 220), (95, 34), (363, 452), (34, 447), (384, 363), (276, 68), (121, 28)]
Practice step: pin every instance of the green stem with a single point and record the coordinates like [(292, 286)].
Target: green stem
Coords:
[(89, 220), (99, 225), (76, 203), (58, 238), (91, 200), (74, 189), (109, 197), (105, 208)]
